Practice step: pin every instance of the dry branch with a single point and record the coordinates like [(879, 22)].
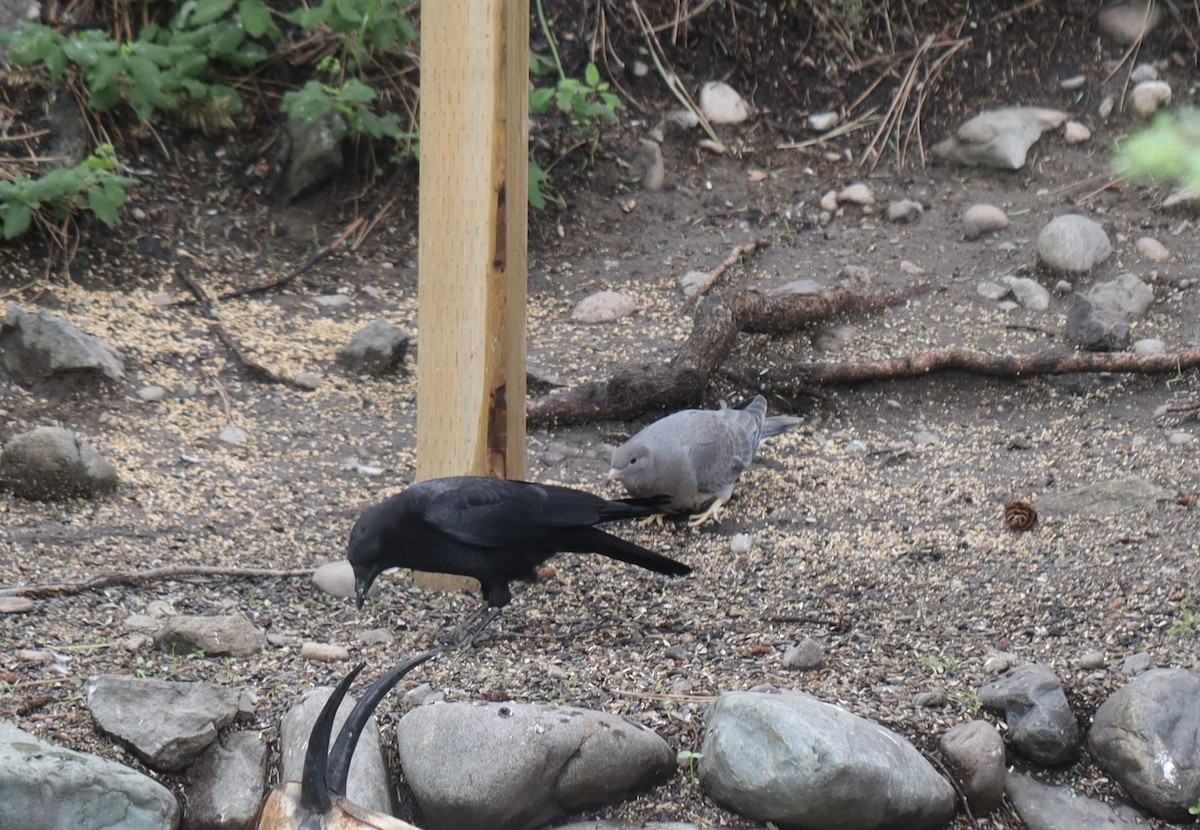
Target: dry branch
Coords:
[(104, 580), (943, 360), (633, 390), (248, 363)]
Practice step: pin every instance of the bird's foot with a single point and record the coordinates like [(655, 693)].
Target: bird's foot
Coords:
[(468, 639), (657, 520), (713, 512)]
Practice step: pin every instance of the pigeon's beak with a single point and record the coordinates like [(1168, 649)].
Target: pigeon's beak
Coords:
[(613, 474)]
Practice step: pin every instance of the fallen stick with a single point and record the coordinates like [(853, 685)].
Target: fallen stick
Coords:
[(943, 360), (634, 390), (104, 580), (738, 252)]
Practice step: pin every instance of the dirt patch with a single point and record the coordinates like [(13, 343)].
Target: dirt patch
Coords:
[(876, 528)]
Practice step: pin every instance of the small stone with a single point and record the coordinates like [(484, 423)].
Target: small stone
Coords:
[(1148, 97), (911, 268), (993, 291), (233, 436), (1180, 438), (1106, 106), (692, 281), (1073, 83), (829, 201), (741, 543), (1128, 22), (1072, 244), (335, 578), (996, 662), (982, 219), (925, 438), (1075, 133), (857, 194), (1137, 663), (855, 277), (324, 652), (15, 605), (376, 637), (721, 103), (806, 655), (1091, 660), (1143, 72), (1149, 346), (152, 394), (904, 210), (822, 121), (1151, 250), (931, 699), (332, 300), (603, 307), (135, 643), (1028, 292), (247, 706), (1063, 287), (308, 380), (159, 608), (162, 299)]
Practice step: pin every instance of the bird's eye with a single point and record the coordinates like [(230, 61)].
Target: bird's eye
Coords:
[(633, 461)]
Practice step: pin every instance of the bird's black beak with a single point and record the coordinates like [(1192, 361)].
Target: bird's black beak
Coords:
[(362, 584)]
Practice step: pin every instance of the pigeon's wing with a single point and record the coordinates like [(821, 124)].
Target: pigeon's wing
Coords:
[(722, 445), (491, 512)]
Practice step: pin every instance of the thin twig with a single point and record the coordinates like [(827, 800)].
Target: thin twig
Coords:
[(104, 580), (732, 260), (247, 362)]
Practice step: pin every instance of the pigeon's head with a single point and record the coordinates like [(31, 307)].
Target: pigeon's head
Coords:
[(633, 466), (365, 558)]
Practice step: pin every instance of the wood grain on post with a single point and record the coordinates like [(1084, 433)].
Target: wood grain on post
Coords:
[(472, 237)]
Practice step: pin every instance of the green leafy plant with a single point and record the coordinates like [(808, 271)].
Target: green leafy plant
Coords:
[(967, 701), (350, 101), (1168, 149), (1188, 622), (366, 27), (689, 757), (90, 185), (1195, 808)]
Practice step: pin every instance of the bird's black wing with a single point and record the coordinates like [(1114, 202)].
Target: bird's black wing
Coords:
[(490, 512)]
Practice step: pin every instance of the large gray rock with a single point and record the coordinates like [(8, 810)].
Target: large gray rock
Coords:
[(1041, 725), (368, 785), (39, 346), (49, 787), (1107, 498), (1101, 319), (49, 463), (167, 724), (376, 349), (1043, 807), (312, 153), (508, 766), (999, 138), (1072, 244), (807, 765), (216, 636), (1129, 21), (1147, 735), (974, 753), (226, 784)]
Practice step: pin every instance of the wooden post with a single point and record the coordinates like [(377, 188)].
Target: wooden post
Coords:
[(472, 237)]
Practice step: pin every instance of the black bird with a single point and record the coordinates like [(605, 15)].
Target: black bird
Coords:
[(495, 530)]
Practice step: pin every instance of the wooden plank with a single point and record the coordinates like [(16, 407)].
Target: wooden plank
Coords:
[(472, 237)]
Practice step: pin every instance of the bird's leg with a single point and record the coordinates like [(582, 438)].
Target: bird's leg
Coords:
[(492, 613), (657, 520), (713, 511)]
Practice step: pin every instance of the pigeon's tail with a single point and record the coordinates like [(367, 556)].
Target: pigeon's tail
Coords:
[(593, 540), (778, 424)]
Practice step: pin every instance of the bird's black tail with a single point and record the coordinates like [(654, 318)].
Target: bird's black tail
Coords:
[(594, 540)]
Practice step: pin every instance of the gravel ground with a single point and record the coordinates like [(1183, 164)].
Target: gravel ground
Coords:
[(876, 528)]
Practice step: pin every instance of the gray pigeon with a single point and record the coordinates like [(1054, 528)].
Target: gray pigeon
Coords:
[(695, 455)]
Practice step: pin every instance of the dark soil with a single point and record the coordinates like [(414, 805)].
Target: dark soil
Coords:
[(881, 542)]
